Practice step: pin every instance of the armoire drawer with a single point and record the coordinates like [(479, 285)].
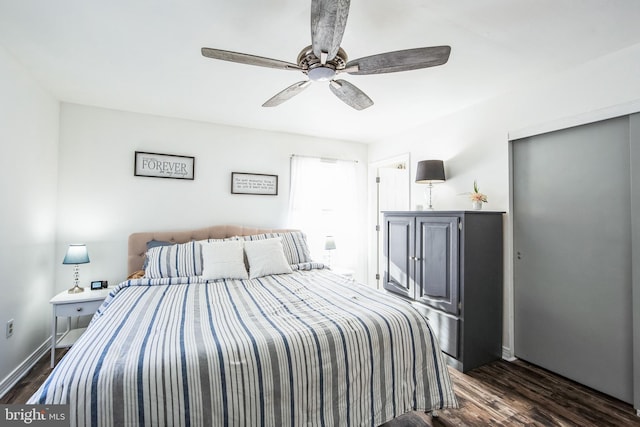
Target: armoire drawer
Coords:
[(445, 328)]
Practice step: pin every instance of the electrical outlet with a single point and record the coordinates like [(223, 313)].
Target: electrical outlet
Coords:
[(9, 328)]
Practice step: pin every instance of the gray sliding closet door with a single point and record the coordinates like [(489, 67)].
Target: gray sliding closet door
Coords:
[(572, 260)]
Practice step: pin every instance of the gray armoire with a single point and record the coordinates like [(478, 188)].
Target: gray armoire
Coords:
[(449, 265)]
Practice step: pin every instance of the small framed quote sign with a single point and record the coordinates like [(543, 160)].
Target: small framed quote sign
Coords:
[(163, 165), (254, 183)]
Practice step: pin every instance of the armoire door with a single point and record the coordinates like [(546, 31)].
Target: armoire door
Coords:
[(398, 254), (437, 259), (572, 254)]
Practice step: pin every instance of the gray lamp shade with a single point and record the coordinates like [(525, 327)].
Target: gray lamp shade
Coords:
[(430, 171), (329, 243), (76, 254)]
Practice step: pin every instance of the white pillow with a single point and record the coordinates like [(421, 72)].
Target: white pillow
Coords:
[(223, 260), (266, 257)]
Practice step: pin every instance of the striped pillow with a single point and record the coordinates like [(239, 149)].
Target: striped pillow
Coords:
[(152, 244), (294, 244), (212, 240), (181, 260)]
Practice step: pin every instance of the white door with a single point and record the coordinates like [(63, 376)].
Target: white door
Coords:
[(392, 193)]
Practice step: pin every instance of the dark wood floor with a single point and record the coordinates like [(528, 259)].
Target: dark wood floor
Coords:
[(498, 394), (28, 385), (520, 394)]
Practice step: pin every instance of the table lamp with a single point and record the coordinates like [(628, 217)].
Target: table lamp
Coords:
[(329, 245), (430, 172), (76, 254)]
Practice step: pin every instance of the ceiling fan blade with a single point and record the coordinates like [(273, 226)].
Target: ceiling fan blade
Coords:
[(350, 95), (328, 21), (287, 94), (245, 58), (401, 60)]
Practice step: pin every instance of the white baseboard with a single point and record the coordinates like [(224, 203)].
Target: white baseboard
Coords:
[(16, 375), (507, 354)]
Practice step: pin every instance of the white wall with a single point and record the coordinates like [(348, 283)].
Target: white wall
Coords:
[(474, 143), (29, 140), (101, 202)]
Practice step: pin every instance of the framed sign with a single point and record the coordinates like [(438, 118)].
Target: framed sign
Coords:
[(163, 165), (254, 183)]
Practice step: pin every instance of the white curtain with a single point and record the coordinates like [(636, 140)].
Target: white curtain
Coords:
[(323, 202)]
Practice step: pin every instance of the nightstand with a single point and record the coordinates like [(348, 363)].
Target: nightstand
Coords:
[(73, 305)]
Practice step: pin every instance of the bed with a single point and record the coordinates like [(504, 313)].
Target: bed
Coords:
[(304, 346)]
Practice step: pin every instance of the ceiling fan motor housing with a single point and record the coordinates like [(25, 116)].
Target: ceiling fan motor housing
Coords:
[(312, 65)]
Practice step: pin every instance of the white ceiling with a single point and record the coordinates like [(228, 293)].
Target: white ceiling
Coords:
[(144, 56)]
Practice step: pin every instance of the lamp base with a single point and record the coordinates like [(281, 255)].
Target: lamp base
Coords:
[(76, 290), (430, 187)]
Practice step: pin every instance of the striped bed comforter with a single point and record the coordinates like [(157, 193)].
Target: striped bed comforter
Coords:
[(307, 348)]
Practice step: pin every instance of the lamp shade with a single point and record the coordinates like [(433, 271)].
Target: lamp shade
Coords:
[(430, 171), (76, 254), (329, 243)]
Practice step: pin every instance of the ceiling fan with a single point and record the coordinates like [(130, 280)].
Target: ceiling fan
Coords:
[(325, 59)]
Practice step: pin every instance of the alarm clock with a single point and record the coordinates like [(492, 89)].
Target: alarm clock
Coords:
[(99, 284)]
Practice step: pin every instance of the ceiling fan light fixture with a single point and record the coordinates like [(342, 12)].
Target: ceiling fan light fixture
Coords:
[(321, 74)]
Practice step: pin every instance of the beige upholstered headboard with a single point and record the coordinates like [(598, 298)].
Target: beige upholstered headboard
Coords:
[(138, 241)]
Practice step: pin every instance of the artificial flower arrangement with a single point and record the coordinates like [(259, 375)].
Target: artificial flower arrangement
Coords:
[(477, 196)]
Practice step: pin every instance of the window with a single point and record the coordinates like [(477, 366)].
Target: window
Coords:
[(323, 202)]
